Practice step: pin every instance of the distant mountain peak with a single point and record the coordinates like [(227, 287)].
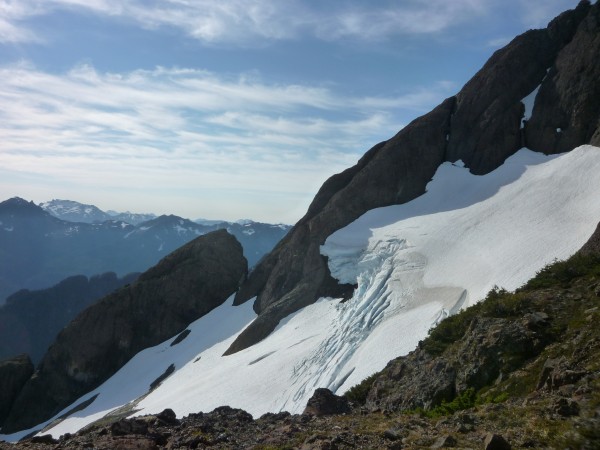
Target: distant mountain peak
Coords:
[(18, 203), (73, 211)]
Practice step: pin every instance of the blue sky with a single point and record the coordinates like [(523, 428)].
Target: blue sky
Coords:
[(225, 109)]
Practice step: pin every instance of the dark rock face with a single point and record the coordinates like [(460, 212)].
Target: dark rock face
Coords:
[(14, 373), (182, 287), (324, 402), (480, 125), (487, 119), (30, 320), (567, 109), (495, 442)]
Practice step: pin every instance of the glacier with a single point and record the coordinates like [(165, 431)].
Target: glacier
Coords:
[(414, 264)]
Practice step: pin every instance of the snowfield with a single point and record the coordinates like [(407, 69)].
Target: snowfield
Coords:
[(414, 264)]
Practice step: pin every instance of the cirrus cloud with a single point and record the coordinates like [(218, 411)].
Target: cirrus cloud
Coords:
[(249, 22), (168, 127)]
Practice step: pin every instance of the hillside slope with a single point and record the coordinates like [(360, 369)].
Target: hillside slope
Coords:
[(414, 264), (506, 392)]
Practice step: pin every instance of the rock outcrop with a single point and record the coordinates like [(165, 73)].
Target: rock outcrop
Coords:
[(567, 107), (490, 348), (14, 373), (324, 403), (182, 287), (482, 125), (30, 320)]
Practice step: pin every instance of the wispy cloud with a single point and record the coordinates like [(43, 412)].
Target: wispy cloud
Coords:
[(183, 127), (250, 22)]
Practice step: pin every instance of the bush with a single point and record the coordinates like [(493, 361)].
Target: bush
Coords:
[(467, 399), (358, 394), (561, 273)]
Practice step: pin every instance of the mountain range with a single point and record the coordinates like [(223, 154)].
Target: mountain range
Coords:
[(39, 249), (486, 190), (73, 211)]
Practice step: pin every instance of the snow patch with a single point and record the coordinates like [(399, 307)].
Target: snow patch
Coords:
[(181, 230)]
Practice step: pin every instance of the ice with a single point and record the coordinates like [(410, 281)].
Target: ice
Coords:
[(414, 264)]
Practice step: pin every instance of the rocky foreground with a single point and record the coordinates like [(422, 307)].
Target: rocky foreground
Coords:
[(518, 370)]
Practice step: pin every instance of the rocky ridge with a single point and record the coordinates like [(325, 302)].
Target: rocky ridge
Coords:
[(482, 125), (490, 395), (30, 320), (182, 287)]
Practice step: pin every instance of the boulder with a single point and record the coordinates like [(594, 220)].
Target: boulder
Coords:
[(324, 403), (495, 442), (129, 426), (445, 442)]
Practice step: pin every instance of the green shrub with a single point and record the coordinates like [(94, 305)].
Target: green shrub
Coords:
[(467, 399), (561, 273), (358, 394)]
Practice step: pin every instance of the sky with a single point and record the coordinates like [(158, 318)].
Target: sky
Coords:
[(225, 109)]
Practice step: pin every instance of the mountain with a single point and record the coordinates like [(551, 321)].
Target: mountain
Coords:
[(183, 286), (423, 226), (30, 320), (132, 218), (540, 392), (72, 211), (482, 125), (38, 250), (414, 264)]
